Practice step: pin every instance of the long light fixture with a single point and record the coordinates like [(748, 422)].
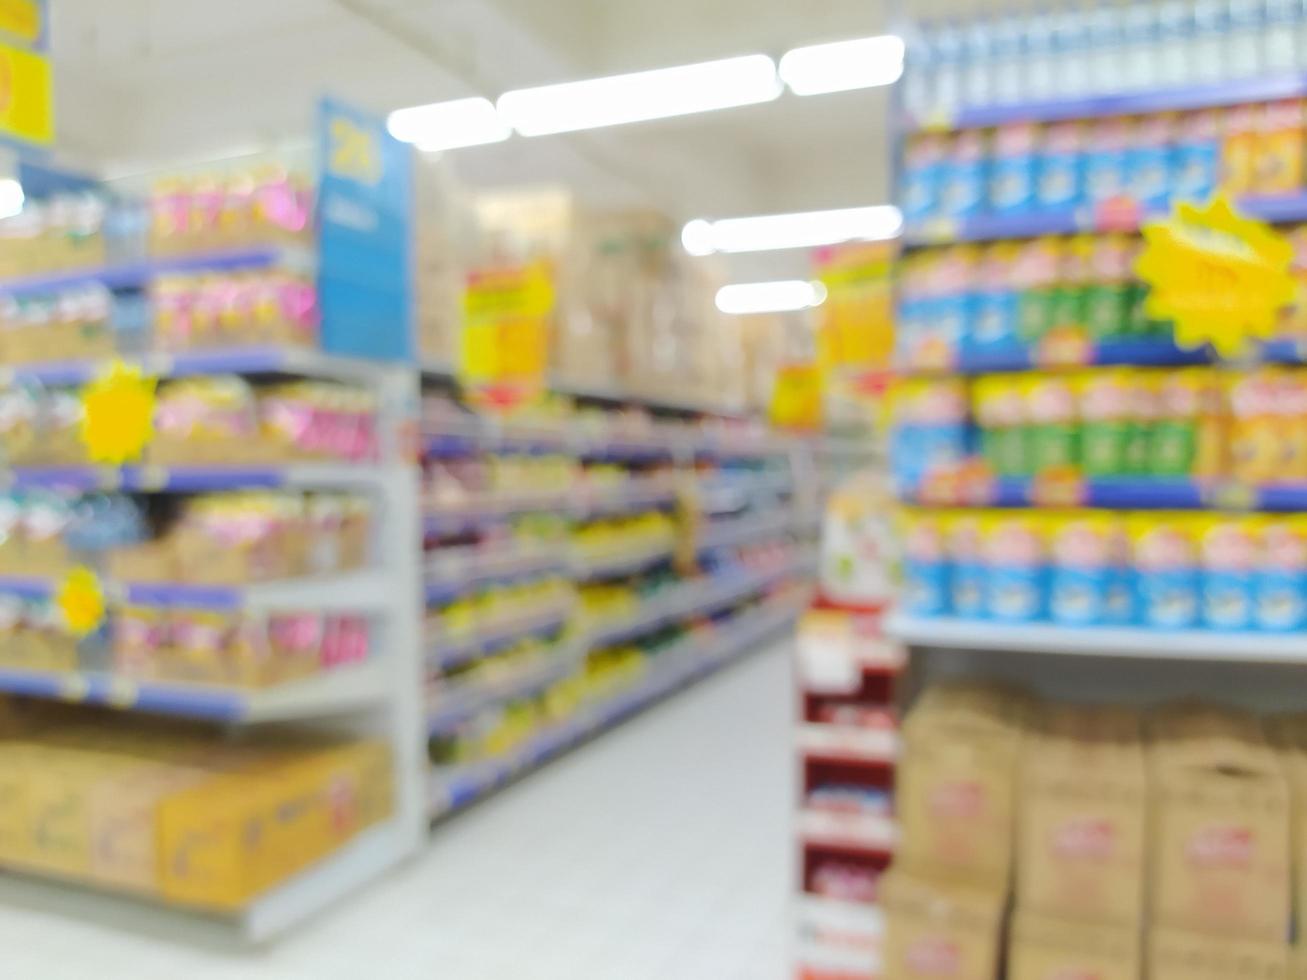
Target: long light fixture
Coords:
[(778, 296), (843, 65), (640, 96), (448, 125), (801, 229)]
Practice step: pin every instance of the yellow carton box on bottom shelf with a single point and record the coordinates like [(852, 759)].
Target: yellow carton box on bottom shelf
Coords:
[(1044, 948), (934, 929), (1175, 955), (234, 836)]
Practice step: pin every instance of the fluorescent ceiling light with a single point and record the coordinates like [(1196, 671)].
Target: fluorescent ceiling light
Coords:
[(802, 229), (780, 296), (843, 65), (11, 197), (447, 125), (657, 94)]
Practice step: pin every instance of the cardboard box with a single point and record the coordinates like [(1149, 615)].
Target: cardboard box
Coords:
[(1044, 948), (1220, 826), (1176, 955), (1289, 735), (935, 929), (1081, 825), (956, 784)]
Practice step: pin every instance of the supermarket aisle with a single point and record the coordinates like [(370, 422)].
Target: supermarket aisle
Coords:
[(661, 850)]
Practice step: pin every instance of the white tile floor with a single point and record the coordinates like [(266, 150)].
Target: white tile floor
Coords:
[(662, 850)]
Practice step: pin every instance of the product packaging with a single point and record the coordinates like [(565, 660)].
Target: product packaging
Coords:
[(1231, 549), (964, 532), (1164, 554), (966, 175), (956, 784), (1281, 577), (1190, 955), (1220, 826), (1047, 948), (935, 929), (1016, 564), (1062, 166), (1081, 822), (1012, 176)]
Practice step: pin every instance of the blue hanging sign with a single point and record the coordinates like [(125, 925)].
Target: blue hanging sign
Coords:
[(364, 236)]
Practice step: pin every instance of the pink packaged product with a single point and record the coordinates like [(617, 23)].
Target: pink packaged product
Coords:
[(270, 308)]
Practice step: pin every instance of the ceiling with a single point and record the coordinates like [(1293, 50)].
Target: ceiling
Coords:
[(148, 84)]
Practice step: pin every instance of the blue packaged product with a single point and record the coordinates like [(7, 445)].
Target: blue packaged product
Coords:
[(995, 314), (1281, 580), (1060, 176), (965, 180), (1196, 160), (925, 565), (1105, 160), (1013, 170), (1082, 570), (967, 564), (1229, 549), (1149, 161), (1164, 553), (923, 174), (1016, 586)]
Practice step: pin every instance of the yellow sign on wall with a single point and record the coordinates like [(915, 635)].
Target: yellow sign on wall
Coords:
[(26, 102), (1221, 277)]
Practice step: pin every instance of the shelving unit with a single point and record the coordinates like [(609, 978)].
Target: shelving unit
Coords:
[(676, 469)]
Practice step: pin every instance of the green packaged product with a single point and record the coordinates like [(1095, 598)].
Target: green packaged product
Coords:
[(1107, 423)]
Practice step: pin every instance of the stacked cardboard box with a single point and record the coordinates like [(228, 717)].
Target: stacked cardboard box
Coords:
[(1080, 852), (946, 897), (445, 238), (171, 811), (1220, 814)]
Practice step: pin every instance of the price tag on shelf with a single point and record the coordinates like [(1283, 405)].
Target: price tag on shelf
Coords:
[(80, 601), (118, 414), (1221, 277)]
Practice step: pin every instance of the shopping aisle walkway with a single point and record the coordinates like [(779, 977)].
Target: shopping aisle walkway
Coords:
[(662, 850)]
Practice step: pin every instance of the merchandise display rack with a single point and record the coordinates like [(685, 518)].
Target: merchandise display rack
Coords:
[(735, 610), (377, 697)]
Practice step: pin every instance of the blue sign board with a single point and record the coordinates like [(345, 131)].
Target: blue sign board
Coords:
[(365, 250)]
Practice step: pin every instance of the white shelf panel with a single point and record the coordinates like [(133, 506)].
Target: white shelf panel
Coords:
[(1106, 641)]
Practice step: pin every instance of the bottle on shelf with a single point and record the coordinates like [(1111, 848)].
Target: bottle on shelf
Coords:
[(948, 68), (1246, 21), (1208, 58), (1008, 66), (1071, 45), (1279, 52), (1105, 48), (977, 63), (919, 75), (1174, 33), (1041, 61)]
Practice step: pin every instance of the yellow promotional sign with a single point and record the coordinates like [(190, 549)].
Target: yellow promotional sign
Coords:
[(23, 20), (797, 398), (80, 601), (857, 323), (505, 335), (118, 415), (1221, 277), (26, 103)]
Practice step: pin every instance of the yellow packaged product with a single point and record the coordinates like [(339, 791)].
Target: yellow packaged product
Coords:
[(1257, 437), (207, 420)]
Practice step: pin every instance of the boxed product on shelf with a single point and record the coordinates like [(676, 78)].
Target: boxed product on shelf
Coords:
[(956, 792), (1042, 947), (170, 812), (1221, 826), (935, 928), (229, 649), (268, 206), (1179, 955), (1081, 817)]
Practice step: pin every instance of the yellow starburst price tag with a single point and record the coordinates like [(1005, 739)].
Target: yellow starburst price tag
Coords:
[(118, 414), (80, 601), (1221, 277)]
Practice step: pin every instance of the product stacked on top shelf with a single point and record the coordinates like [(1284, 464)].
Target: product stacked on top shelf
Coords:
[(584, 560), (238, 565)]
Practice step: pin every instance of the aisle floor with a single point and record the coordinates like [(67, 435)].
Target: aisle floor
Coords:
[(661, 850)]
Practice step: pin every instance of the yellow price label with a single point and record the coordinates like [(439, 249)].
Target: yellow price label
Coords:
[(118, 414), (80, 601), (1221, 277), (506, 318)]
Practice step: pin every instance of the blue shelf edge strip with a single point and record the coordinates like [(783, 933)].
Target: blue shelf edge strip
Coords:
[(1035, 223), (463, 790), (1179, 98), (97, 689), (143, 594), (235, 360), (1161, 493), (134, 275), (149, 478)]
